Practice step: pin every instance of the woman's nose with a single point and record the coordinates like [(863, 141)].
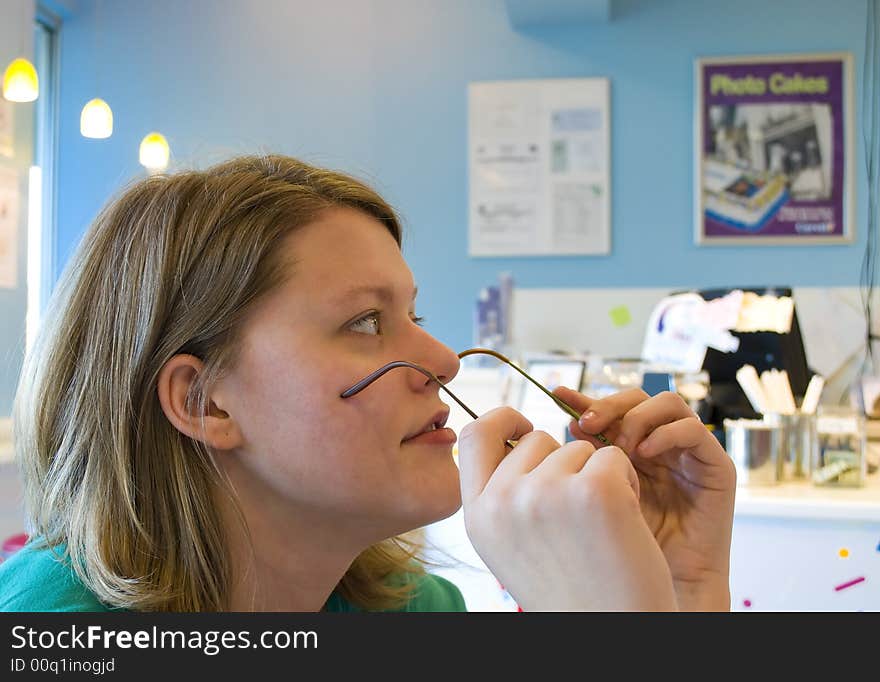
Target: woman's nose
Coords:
[(436, 357)]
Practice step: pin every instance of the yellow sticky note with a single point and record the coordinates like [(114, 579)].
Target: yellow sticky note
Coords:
[(620, 316)]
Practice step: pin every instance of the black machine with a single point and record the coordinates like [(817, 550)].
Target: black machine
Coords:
[(762, 350)]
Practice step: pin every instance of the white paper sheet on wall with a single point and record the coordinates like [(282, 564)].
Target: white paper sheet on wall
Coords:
[(681, 328), (539, 167), (9, 203), (832, 325)]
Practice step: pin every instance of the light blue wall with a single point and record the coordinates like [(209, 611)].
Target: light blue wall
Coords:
[(378, 88)]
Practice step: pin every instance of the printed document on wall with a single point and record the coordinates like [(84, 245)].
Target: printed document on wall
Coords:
[(540, 181), (8, 228)]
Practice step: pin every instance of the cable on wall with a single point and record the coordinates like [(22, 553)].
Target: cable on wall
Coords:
[(870, 121)]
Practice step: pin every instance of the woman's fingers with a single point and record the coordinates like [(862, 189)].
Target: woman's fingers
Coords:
[(648, 415), (603, 413), (482, 446), (610, 434), (627, 418), (529, 452), (691, 434), (612, 461), (583, 404), (597, 416), (568, 459), (574, 399)]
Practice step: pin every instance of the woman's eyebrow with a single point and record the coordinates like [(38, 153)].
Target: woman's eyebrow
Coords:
[(384, 293)]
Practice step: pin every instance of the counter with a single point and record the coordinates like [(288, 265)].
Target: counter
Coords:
[(798, 547), (802, 500)]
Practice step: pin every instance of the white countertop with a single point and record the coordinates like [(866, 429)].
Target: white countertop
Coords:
[(804, 500)]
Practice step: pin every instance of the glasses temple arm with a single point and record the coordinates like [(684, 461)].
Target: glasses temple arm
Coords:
[(568, 409)]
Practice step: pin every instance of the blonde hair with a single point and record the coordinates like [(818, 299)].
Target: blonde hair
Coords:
[(172, 266)]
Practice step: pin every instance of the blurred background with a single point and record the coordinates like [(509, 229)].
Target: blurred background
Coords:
[(380, 89)]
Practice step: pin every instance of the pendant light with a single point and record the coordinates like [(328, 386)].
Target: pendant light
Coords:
[(154, 152), (20, 82), (96, 118)]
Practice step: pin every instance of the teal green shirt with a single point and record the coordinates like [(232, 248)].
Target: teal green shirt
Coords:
[(36, 579)]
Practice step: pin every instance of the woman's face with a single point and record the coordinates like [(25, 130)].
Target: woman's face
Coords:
[(346, 309)]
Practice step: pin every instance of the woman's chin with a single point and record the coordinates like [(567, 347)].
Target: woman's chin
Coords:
[(447, 510), (430, 508)]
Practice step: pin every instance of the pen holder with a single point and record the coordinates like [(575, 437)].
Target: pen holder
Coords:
[(755, 446), (797, 442), (839, 457)]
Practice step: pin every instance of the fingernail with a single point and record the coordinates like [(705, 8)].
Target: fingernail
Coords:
[(586, 417)]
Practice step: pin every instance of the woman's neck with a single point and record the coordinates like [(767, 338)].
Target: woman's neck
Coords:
[(292, 559)]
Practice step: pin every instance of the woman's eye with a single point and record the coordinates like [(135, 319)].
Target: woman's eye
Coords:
[(418, 320), (368, 324)]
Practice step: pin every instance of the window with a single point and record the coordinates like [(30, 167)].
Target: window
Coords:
[(41, 189)]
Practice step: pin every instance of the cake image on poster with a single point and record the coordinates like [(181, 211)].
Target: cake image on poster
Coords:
[(741, 198), (761, 155)]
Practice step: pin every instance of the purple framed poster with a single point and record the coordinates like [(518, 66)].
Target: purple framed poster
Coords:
[(773, 150)]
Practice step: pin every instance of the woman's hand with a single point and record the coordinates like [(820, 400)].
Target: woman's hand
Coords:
[(560, 527), (687, 484)]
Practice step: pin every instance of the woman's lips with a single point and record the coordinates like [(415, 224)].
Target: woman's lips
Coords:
[(442, 436), (438, 421)]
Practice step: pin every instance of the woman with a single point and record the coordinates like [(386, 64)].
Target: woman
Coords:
[(184, 445)]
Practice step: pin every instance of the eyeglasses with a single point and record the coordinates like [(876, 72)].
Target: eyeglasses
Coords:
[(370, 378)]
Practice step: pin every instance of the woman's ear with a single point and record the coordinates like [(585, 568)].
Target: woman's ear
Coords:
[(218, 430)]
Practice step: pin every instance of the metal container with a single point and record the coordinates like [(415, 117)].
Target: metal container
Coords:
[(799, 442), (755, 446)]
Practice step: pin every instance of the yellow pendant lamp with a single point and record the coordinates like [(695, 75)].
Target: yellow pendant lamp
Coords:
[(154, 152), (20, 82), (96, 119)]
